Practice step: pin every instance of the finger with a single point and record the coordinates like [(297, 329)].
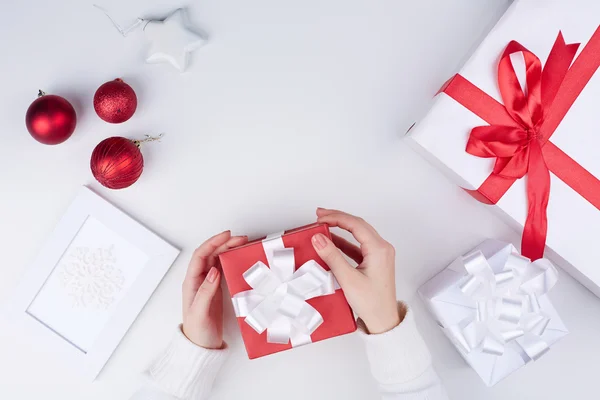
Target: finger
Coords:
[(206, 292), (360, 229), (234, 241), (333, 257), (348, 248), (199, 265), (321, 212)]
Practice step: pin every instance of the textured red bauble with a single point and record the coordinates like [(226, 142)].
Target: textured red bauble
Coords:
[(115, 101), (50, 119), (117, 162)]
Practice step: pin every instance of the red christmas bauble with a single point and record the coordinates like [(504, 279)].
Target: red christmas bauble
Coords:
[(50, 119), (115, 101), (117, 162)]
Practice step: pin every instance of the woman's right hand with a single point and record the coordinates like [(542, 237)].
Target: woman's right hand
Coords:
[(371, 287)]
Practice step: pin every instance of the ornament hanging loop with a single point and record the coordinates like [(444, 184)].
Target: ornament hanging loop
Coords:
[(124, 31), (147, 139), (41, 93)]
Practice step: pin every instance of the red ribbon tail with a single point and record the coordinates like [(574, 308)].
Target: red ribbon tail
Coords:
[(559, 60), (538, 193)]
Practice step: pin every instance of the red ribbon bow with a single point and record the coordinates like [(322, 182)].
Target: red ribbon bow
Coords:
[(519, 131)]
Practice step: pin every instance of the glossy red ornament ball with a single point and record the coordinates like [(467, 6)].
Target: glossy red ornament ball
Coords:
[(117, 162), (115, 101), (50, 119)]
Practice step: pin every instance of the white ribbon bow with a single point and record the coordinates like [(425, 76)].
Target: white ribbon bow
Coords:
[(508, 311), (277, 301)]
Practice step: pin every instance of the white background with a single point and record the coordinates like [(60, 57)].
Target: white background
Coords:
[(292, 105)]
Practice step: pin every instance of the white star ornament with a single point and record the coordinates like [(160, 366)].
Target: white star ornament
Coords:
[(171, 41)]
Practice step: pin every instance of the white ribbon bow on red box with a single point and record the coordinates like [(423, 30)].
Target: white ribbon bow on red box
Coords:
[(277, 301)]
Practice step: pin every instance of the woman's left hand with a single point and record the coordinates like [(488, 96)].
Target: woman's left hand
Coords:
[(202, 294)]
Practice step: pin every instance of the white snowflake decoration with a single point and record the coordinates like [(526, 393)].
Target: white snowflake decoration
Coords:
[(91, 277)]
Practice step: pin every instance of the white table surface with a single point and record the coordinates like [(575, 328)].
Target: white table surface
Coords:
[(292, 105)]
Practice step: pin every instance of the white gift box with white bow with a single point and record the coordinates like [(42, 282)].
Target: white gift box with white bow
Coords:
[(492, 304)]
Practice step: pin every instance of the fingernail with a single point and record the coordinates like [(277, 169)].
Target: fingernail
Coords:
[(212, 275), (319, 241)]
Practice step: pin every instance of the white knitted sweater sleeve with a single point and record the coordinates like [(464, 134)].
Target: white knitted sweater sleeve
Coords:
[(401, 363), (183, 371)]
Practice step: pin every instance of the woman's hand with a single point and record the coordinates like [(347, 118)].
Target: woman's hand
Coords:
[(371, 287), (202, 294)]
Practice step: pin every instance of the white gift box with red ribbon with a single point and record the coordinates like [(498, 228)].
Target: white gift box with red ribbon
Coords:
[(443, 134)]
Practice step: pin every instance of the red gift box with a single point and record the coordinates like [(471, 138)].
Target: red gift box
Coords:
[(333, 308)]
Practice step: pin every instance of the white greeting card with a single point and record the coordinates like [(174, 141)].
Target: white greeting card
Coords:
[(89, 283)]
